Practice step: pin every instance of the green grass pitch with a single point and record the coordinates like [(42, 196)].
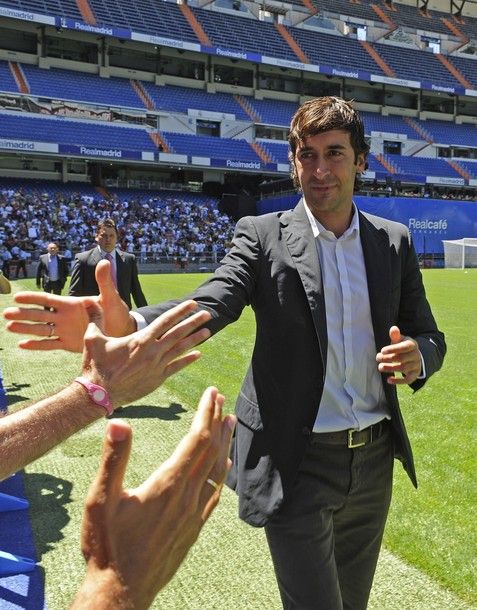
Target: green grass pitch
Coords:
[(430, 543)]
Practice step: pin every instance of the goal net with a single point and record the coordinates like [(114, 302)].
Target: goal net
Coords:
[(460, 253)]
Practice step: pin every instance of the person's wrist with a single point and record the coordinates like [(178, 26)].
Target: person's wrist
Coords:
[(102, 589), (97, 393)]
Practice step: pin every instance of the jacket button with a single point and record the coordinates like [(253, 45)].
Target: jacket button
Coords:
[(306, 431)]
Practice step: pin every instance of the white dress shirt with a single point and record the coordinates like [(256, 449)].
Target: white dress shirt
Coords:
[(105, 254), (53, 268), (353, 395)]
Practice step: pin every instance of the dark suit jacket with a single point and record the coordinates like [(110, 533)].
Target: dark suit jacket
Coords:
[(274, 267), (83, 281), (42, 271)]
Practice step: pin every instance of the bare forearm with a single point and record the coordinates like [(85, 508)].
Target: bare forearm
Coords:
[(30, 433)]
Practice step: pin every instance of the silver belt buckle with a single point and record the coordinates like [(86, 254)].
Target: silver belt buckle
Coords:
[(351, 444)]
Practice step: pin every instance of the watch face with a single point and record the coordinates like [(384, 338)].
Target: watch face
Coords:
[(98, 395)]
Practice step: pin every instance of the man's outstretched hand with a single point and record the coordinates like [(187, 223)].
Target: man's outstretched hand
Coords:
[(134, 540), (133, 366), (59, 322)]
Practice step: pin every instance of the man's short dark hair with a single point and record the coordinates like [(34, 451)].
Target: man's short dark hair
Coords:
[(106, 223), (324, 114)]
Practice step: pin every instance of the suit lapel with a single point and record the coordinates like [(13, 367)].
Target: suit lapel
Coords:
[(302, 247), (121, 275), (375, 244), (95, 256)]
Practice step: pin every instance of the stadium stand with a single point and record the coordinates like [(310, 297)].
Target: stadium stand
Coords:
[(65, 8), (415, 19), (7, 82), (81, 87), (204, 146), (168, 109), (363, 10), (182, 99), (442, 132), (244, 34), (403, 62), (335, 50), (78, 132)]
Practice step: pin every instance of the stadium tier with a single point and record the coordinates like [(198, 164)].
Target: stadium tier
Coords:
[(243, 33), (160, 18), (7, 82), (65, 8), (422, 166), (273, 112), (337, 51), (404, 61), (174, 123), (449, 133), (277, 150), (79, 86), (470, 167), (205, 146), (411, 17), (181, 99), (363, 10), (74, 133)]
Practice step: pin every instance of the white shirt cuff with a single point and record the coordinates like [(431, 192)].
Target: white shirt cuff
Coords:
[(423, 368), (140, 320)]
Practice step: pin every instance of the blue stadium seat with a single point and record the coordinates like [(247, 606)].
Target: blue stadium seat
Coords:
[(79, 86)]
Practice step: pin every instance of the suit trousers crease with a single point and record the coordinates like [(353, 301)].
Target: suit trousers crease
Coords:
[(326, 538)]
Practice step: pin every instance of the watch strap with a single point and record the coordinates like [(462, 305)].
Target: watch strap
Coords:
[(97, 394)]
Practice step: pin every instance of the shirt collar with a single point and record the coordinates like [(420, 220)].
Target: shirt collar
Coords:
[(104, 254), (318, 229)]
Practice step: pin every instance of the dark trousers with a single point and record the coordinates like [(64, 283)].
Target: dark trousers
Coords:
[(54, 287), (21, 266), (325, 540)]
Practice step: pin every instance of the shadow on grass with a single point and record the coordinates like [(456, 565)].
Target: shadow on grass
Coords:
[(14, 398), (170, 413), (16, 387), (48, 496)]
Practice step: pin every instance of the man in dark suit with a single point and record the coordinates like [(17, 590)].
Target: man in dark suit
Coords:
[(341, 320), (123, 267), (341, 314), (52, 270)]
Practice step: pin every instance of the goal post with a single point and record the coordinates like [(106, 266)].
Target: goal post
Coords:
[(460, 253)]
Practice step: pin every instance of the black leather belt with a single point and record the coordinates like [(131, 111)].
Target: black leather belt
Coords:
[(351, 438)]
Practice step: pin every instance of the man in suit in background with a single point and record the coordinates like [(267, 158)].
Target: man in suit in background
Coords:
[(341, 319), (52, 270), (123, 267)]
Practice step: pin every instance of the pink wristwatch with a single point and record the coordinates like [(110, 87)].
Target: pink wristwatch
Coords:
[(97, 394)]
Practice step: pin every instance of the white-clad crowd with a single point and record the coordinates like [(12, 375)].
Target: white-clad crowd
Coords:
[(168, 226)]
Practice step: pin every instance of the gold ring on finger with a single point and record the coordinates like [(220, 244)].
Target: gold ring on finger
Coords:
[(215, 485)]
